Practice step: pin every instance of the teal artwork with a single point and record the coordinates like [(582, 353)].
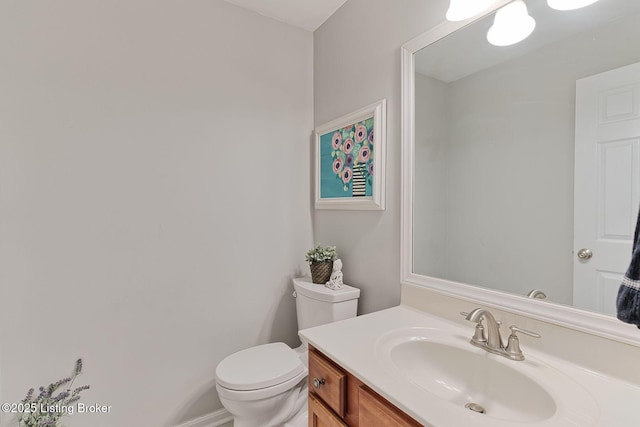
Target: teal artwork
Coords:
[(346, 161)]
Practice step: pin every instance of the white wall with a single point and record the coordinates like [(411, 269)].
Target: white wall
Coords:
[(357, 62), (154, 196)]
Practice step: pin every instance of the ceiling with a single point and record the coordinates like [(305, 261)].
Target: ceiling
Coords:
[(306, 14)]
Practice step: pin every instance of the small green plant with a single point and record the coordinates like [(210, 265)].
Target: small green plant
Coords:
[(45, 409), (321, 253)]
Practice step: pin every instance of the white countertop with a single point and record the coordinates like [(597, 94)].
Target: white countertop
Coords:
[(354, 344)]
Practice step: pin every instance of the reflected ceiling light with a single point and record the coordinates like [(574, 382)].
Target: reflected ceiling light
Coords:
[(569, 4), (459, 10), (511, 25)]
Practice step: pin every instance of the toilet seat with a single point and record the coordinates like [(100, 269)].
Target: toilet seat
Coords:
[(261, 393), (259, 372)]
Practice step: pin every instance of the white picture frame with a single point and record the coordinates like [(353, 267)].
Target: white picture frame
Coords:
[(351, 160)]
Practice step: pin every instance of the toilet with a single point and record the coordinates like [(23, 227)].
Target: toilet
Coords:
[(266, 385)]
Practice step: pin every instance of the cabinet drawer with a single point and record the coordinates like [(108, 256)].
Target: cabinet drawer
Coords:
[(321, 416), (327, 382)]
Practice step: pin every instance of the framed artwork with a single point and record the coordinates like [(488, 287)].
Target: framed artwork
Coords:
[(350, 160)]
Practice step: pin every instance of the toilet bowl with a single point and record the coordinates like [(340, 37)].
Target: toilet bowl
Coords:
[(266, 385)]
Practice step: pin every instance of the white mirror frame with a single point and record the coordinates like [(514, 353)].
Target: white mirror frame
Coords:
[(563, 315)]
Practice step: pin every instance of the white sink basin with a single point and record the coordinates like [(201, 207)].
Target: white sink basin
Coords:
[(463, 377), (473, 380)]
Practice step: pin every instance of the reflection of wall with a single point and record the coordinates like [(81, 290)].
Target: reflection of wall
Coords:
[(154, 197), (510, 170), (431, 155)]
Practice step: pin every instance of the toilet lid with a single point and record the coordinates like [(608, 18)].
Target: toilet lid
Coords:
[(259, 367)]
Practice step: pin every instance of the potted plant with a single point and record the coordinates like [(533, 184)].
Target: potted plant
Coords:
[(320, 261)]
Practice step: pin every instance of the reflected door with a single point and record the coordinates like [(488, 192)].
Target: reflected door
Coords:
[(607, 184)]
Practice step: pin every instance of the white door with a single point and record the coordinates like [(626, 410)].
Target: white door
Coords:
[(607, 184)]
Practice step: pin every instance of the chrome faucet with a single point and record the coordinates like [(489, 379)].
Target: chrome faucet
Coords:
[(492, 341)]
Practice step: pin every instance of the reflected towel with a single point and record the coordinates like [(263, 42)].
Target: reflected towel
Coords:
[(628, 301)]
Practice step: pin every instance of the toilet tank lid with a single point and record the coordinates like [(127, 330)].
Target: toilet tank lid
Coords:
[(306, 287), (259, 367)]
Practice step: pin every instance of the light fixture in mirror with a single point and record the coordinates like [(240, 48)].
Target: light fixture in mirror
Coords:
[(459, 10), (569, 4), (490, 166), (511, 25)]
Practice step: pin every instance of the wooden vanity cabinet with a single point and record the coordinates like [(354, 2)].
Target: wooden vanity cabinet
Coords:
[(338, 399)]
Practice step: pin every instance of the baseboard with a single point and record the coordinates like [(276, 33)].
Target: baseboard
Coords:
[(213, 419)]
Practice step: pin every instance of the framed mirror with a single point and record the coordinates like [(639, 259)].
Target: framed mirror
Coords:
[(521, 163)]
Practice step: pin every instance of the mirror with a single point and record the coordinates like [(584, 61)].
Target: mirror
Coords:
[(516, 158)]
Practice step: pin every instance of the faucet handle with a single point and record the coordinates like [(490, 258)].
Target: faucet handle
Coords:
[(515, 329), (513, 346), (478, 336)]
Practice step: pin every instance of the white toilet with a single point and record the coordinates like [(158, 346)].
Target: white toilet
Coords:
[(266, 385)]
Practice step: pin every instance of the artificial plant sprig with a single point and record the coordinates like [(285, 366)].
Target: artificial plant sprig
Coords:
[(321, 253), (46, 409)]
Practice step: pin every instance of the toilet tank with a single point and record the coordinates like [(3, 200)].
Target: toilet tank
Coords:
[(316, 304)]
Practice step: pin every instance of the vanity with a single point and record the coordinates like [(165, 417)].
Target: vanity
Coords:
[(406, 366), (338, 398)]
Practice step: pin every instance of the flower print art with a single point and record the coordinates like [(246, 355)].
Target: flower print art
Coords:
[(349, 150), (354, 154)]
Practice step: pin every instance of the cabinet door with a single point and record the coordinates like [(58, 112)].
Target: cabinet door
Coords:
[(321, 416), (327, 382), (374, 411)]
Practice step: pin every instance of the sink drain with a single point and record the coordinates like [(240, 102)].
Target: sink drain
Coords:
[(475, 408)]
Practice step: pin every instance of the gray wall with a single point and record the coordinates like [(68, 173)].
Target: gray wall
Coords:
[(154, 197), (430, 198), (357, 62)]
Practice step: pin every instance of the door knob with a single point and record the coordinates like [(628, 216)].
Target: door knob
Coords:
[(585, 254)]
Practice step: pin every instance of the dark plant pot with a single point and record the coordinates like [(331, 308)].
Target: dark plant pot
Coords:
[(321, 271)]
